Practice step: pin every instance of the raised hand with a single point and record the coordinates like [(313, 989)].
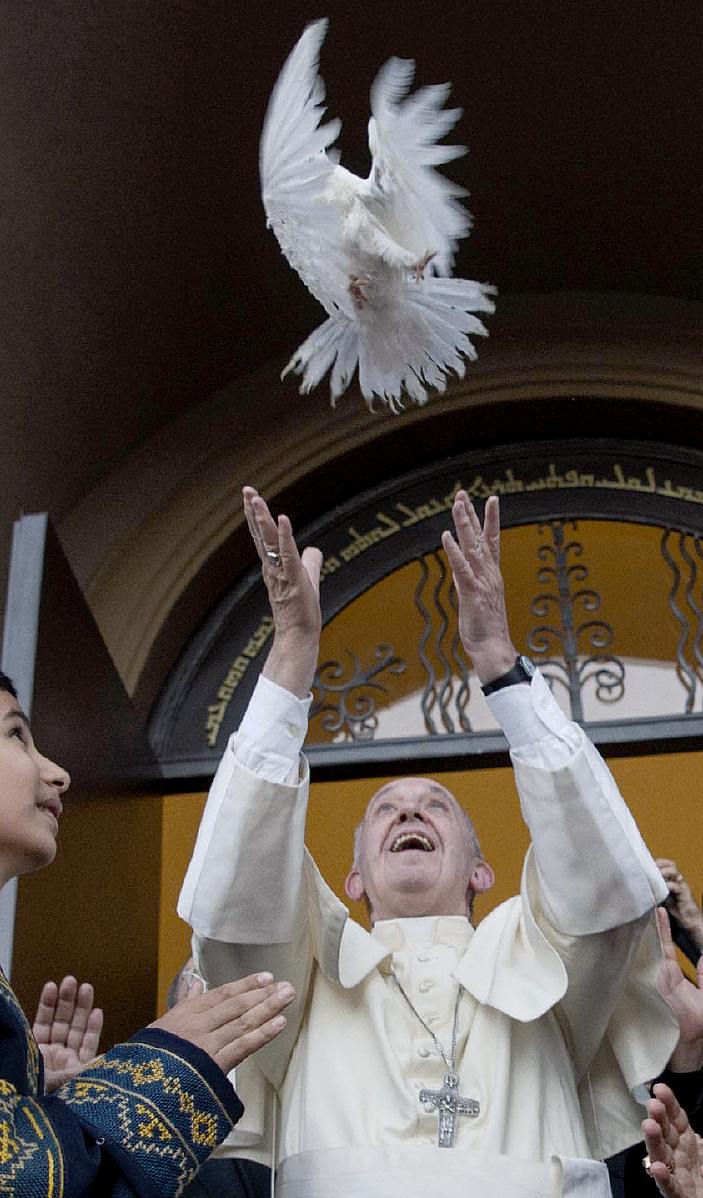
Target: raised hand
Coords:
[(232, 1021), (475, 561), (684, 906), (675, 1157), (67, 1028), (293, 585), (685, 1000)]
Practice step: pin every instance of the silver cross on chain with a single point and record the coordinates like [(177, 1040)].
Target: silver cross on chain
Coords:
[(447, 1102)]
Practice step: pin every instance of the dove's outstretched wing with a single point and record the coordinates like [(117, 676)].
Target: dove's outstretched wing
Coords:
[(295, 171), (421, 209)]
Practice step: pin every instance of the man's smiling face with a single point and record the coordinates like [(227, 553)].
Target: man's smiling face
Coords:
[(416, 853)]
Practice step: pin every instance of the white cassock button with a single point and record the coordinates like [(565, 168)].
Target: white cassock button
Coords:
[(292, 730), (423, 1052), (425, 986), (424, 957)]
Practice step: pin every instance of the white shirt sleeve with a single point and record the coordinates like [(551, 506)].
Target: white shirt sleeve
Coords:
[(534, 725), (271, 735), (595, 870)]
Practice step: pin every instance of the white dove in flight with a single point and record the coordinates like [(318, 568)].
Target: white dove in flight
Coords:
[(377, 253)]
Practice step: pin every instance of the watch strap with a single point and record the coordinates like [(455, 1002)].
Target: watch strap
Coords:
[(522, 671)]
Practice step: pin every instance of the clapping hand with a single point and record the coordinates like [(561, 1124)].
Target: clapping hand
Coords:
[(232, 1021), (674, 1149), (682, 903), (685, 1000), (67, 1028)]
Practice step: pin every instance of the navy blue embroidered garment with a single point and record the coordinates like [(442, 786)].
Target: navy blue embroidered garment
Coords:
[(136, 1124)]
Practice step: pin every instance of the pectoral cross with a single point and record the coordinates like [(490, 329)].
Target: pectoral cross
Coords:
[(448, 1103)]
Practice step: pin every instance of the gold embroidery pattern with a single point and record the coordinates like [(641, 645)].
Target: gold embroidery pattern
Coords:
[(26, 1135), (122, 1096), (32, 1066)]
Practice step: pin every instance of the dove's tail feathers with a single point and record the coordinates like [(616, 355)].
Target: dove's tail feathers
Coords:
[(402, 347), (333, 345)]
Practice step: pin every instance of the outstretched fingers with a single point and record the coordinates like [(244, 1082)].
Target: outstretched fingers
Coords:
[(290, 557), (476, 541), (491, 527), (248, 1020), (46, 1009), (672, 1146), (90, 1042), (267, 529), (661, 1159), (65, 1011), (467, 524), (249, 495), (464, 576)]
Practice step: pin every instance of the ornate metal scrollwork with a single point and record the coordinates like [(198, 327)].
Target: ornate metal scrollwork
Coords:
[(347, 698), (446, 690), (558, 646), (685, 607)]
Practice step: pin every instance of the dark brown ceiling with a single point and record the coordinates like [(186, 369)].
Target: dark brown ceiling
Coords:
[(137, 273)]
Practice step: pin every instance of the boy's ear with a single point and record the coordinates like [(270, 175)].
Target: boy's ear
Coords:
[(354, 886)]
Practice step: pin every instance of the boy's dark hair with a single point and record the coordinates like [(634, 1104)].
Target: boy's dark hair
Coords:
[(6, 684)]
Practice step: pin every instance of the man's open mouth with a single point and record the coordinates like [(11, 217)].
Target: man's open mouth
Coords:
[(412, 840)]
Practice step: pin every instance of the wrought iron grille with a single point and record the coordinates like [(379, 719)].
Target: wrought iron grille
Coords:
[(569, 649), (571, 641), (682, 552), (347, 699), (446, 692)]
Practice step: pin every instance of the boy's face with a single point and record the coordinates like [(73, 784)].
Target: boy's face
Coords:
[(30, 796)]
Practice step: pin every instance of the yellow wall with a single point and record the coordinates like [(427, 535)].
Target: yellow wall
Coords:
[(663, 793), (95, 911), (181, 816)]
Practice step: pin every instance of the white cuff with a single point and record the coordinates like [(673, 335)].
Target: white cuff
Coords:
[(271, 735), (535, 727)]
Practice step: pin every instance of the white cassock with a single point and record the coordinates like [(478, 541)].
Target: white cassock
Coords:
[(560, 1021)]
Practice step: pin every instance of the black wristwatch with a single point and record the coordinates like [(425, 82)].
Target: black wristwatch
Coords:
[(522, 671)]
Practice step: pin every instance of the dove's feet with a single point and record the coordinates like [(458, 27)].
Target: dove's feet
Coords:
[(420, 266), (356, 290)]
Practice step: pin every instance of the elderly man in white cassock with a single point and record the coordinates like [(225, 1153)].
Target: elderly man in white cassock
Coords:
[(426, 1057)]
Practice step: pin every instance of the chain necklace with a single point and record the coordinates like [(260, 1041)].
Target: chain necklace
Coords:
[(448, 1102)]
